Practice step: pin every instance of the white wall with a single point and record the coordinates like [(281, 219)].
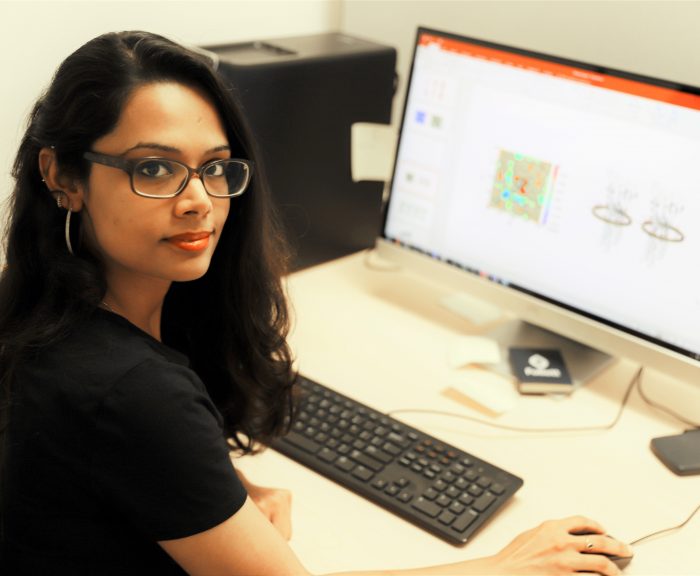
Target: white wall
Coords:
[(36, 36), (656, 38)]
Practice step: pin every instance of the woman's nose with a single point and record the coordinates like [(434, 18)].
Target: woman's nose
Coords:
[(194, 197)]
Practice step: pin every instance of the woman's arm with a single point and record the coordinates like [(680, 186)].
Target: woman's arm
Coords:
[(274, 503), (248, 544)]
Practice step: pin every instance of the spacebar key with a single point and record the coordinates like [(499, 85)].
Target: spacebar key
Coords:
[(302, 442)]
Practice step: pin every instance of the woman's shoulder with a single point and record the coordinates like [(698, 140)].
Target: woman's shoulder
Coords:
[(103, 351), (111, 342)]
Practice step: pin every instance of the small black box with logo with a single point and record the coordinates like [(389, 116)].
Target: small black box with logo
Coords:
[(540, 371)]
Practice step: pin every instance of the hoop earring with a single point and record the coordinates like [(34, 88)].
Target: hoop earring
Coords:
[(67, 231)]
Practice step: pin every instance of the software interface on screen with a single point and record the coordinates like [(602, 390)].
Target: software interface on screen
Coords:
[(570, 183)]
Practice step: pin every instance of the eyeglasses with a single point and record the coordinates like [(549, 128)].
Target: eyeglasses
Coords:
[(165, 178)]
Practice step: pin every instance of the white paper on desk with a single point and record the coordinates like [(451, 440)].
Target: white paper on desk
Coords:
[(465, 350), (494, 391)]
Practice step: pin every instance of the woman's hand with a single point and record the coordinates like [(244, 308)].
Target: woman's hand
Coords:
[(565, 546), (274, 503)]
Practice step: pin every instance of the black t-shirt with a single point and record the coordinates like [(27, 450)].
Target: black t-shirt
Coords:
[(113, 445)]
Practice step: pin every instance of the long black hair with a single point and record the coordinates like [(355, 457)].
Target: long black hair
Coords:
[(232, 323)]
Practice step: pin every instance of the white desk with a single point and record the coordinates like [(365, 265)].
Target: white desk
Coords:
[(381, 337)]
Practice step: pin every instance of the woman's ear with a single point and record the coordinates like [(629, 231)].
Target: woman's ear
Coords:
[(58, 182)]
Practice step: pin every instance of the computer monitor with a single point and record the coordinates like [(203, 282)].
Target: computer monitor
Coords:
[(561, 191)]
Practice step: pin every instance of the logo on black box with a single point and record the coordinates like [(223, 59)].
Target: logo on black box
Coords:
[(539, 367)]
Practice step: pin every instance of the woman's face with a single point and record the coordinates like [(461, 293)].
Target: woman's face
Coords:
[(149, 241)]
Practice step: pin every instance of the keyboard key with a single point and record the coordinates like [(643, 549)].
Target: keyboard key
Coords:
[(376, 441), (397, 439), (327, 455), (483, 502), (464, 521), (392, 449), (466, 499), (439, 485), (405, 496), (392, 490), (362, 473), (453, 491), (449, 477), (303, 442), (379, 484), (443, 500), (497, 488), (426, 506), (475, 490), (344, 463), (446, 517), (484, 481), (431, 494)]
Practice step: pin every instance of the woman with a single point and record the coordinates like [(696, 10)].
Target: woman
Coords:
[(142, 335)]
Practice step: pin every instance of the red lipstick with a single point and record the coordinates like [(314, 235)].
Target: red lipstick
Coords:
[(190, 241)]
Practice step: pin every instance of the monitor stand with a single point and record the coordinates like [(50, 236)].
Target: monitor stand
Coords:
[(583, 362)]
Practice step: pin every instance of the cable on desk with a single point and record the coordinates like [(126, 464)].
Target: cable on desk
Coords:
[(635, 380), (665, 530), (664, 409)]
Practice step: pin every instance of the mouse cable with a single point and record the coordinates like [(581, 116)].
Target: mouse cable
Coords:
[(664, 409), (635, 380), (665, 530)]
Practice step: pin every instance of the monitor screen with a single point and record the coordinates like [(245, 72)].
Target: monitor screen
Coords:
[(564, 191)]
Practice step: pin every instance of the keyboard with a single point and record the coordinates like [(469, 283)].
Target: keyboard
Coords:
[(437, 487)]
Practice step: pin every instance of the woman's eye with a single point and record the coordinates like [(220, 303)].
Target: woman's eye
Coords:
[(155, 169), (214, 170)]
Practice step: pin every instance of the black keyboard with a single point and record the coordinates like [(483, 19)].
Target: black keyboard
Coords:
[(438, 487)]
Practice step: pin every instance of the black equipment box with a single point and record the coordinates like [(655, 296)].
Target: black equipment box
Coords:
[(302, 95)]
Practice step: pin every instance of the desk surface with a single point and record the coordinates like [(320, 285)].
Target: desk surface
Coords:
[(380, 336)]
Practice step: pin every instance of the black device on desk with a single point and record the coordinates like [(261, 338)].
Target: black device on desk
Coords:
[(438, 487), (301, 96)]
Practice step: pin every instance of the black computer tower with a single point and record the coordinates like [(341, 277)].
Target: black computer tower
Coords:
[(302, 95)]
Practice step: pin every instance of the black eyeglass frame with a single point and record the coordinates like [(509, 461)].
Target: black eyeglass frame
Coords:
[(128, 165)]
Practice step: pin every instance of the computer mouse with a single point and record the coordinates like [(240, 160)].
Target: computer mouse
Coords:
[(620, 561)]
